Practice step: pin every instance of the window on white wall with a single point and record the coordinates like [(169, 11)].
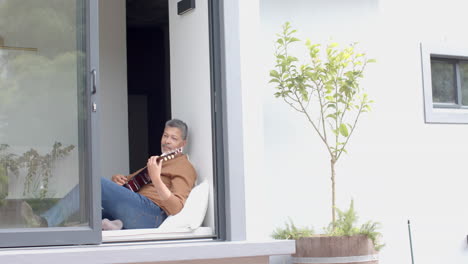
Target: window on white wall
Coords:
[(449, 82), (445, 80)]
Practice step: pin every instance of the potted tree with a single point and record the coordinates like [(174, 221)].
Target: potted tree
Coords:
[(326, 91)]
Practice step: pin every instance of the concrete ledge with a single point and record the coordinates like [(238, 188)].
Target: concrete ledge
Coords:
[(147, 252), (243, 260)]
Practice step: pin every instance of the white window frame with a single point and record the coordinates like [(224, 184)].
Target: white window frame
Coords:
[(437, 114)]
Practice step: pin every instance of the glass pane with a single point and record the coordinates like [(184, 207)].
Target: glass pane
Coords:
[(464, 82), (444, 88), (42, 117)]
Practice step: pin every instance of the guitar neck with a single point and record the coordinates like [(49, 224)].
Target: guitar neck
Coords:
[(143, 178)]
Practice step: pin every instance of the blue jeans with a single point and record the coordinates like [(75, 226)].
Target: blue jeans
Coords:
[(133, 209)]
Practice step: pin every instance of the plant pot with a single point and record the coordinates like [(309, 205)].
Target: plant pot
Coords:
[(357, 249)]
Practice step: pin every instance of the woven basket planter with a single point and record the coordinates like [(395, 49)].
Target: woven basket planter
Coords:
[(357, 249)]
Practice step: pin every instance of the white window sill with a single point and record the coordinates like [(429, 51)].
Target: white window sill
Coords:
[(147, 252), (155, 234), (447, 116)]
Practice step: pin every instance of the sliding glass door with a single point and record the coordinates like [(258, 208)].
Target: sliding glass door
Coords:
[(48, 97)]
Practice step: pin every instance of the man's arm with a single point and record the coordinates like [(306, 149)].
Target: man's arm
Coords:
[(181, 187), (154, 171), (182, 179), (129, 177), (121, 179)]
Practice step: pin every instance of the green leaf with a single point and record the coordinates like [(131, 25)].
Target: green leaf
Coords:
[(294, 39), (291, 231), (274, 73), (291, 59), (344, 130)]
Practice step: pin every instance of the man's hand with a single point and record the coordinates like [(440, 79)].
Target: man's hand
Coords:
[(154, 168), (119, 179), (154, 171)]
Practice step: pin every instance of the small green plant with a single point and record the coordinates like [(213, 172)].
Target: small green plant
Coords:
[(370, 230), (345, 225), (291, 231), (3, 184), (38, 167)]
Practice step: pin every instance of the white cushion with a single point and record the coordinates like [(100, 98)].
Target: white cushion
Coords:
[(193, 213)]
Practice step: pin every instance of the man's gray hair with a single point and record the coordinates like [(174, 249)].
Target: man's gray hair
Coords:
[(180, 125)]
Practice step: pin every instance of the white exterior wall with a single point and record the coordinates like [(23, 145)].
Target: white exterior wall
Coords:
[(257, 204), (398, 167)]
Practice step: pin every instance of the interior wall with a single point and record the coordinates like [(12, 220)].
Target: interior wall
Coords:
[(113, 88), (146, 80), (397, 167), (190, 87)]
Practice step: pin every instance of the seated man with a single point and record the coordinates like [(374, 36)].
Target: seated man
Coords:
[(171, 183)]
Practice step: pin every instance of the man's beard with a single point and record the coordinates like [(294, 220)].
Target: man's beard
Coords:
[(168, 149)]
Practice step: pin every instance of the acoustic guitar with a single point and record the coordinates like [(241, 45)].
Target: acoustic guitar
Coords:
[(143, 178)]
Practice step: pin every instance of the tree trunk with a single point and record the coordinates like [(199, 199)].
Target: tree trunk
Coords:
[(332, 163)]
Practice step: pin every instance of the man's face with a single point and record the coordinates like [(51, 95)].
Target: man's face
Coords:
[(171, 139)]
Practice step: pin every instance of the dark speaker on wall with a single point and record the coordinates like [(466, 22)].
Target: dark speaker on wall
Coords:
[(184, 6)]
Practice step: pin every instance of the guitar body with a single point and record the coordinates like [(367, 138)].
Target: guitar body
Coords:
[(143, 178), (138, 181)]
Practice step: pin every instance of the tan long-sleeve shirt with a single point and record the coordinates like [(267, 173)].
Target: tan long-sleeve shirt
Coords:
[(179, 176)]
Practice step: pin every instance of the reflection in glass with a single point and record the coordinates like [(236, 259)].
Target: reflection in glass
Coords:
[(42, 100), (444, 89), (464, 82)]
